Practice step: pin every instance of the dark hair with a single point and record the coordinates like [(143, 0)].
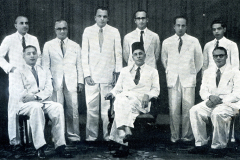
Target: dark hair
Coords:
[(140, 10), (220, 48), (19, 17), (218, 21), (61, 20), (175, 18), (102, 8), (29, 46)]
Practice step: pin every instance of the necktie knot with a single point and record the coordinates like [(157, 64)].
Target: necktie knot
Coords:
[(23, 42), (217, 44), (137, 76), (180, 44), (141, 37), (101, 30)]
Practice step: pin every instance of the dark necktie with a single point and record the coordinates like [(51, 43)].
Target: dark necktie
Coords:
[(63, 47), (35, 75), (100, 38), (137, 76), (218, 77), (180, 44), (217, 44), (23, 42), (141, 37)]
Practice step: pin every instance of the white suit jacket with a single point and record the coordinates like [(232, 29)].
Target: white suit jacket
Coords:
[(228, 88), (101, 65), (185, 64), (151, 47), (69, 66), (27, 84), (12, 45), (148, 83), (232, 51)]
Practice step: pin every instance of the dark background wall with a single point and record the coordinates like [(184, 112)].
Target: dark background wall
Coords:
[(80, 14)]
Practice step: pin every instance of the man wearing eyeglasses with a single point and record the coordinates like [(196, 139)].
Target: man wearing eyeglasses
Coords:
[(142, 34), (12, 46), (182, 58), (220, 92), (219, 28), (101, 58), (62, 56)]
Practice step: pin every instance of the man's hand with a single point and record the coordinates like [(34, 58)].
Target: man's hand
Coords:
[(215, 99), (210, 104), (145, 101), (89, 81), (13, 69), (108, 96), (80, 87), (28, 98)]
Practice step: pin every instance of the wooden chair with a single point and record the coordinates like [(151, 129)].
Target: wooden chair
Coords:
[(144, 126)]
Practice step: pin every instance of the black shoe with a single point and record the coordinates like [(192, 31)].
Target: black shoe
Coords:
[(61, 151), (121, 154), (127, 138), (199, 150), (40, 153), (218, 153), (173, 146)]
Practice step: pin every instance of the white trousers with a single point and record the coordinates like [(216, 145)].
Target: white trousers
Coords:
[(180, 99), (35, 111), (70, 110), (220, 117), (95, 94), (125, 115)]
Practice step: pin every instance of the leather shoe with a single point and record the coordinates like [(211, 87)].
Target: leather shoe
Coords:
[(127, 138), (218, 153), (121, 154), (61, 151), (40, 153), (198, 150)]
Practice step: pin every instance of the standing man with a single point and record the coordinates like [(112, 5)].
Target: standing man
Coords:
[(101, 58), (142, 34), (219, 28), (12, 46), (63, 57), (182, 59)]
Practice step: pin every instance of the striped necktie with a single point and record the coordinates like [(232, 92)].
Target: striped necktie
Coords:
[(180, 44), (35, 75), (137, 76)]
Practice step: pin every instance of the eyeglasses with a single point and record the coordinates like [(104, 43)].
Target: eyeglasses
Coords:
[(141, 18), (62, 29), (220, 56)]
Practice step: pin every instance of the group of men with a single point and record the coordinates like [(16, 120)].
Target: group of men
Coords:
[(44, 83)]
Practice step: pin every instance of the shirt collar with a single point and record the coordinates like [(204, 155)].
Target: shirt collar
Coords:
[(103, 28), (221, 69), (30, 67), (20, 36), (177, 37), (139, 31), (65, 40), (135, 67), (220, 40)]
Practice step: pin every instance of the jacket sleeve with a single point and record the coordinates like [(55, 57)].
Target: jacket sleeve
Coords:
[(157, 48), (4, 48), (205, 58), (126, 49), (155, 89), (234, 56), (119, 85), (85, 54), (118, 52), (198, 56), (164, 54), (79, 65), (46, 57), (204, 90)]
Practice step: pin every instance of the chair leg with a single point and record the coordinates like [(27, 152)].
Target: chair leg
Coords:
[(26, 132), (21, 131)]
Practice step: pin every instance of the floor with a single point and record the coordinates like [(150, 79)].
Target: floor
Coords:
[(140, 150)]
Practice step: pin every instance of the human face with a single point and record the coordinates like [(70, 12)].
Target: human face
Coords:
[(219, 57), (21, 25), (101, 18), (180, 26), (30, 56), (138, 57), (61, 30), (141, 20), (218, 31)]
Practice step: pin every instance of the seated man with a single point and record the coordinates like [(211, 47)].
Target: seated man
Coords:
[(220, 91), (35, 87), (136, 85)]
